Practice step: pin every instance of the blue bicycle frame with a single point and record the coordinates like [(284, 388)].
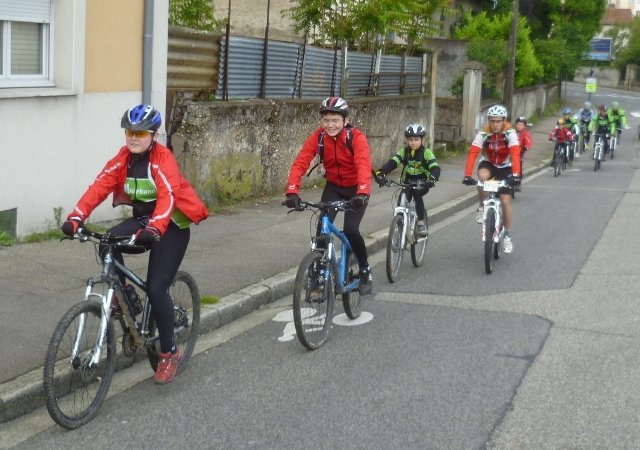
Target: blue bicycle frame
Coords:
[(326, 229)]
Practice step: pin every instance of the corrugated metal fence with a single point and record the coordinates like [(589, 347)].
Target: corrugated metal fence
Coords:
[(303, 71)]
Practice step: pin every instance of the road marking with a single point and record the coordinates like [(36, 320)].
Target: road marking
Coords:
[(289, 331)]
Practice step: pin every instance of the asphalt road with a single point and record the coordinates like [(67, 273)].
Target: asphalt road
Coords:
[(543, 353)]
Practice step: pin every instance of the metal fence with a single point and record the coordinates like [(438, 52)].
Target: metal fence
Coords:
[(293, 70)]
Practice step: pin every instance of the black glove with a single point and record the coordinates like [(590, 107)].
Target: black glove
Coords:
[(469, 181), (292, 201), (431, 182), (380, 178), (147, 236), (71, 225), (358, 201), (513, 180)]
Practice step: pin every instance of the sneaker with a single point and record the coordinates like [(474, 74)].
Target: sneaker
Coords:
[(366, 281), (421, 230), (167, 366), (507, 245), (479, 214)]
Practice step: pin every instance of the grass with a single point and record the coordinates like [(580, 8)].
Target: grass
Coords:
[(209, 299)]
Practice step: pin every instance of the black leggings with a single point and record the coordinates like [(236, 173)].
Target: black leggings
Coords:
[(352, 219), (165, 258), (417, 195)]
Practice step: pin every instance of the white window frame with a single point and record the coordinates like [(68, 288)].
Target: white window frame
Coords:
[(43, 79)]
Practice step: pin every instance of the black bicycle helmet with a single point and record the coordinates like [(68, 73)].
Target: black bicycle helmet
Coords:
[(141, 118), (522, 119), (335, 105), (415, 129)]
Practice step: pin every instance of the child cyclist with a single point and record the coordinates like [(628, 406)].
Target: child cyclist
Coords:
[(602, 126), (344, 153), (419, 163), (562, 136), (526, 142)]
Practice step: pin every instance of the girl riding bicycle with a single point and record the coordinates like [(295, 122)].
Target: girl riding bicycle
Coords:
[(418, 163), (145, 175)]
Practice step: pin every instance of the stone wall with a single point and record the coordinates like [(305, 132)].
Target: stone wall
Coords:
[(237, 150)]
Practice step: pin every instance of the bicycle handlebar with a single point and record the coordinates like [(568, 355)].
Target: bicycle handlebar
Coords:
[(339, 205), (84, 234)]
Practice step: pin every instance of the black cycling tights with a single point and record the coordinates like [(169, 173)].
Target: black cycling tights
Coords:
[(352, 219), (165, 258), (417, 195)]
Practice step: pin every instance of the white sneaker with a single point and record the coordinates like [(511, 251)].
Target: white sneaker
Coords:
[(479, 214), (507, 245)]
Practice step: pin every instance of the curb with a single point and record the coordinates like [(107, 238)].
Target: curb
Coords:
[(23, 394)]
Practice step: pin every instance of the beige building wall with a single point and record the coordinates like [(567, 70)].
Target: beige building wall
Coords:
[(249, 18), (114, 64)]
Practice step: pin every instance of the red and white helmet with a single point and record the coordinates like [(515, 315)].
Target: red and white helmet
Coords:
[(335, 105)]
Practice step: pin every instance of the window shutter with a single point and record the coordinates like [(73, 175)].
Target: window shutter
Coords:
[(26, 10)]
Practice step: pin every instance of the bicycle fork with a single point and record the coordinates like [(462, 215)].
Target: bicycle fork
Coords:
[(104, 319), (498, 224), (402, 211)]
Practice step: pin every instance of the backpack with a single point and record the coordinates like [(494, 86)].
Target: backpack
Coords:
[(321, 136)]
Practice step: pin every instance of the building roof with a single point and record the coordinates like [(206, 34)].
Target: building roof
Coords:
[(617, 16)]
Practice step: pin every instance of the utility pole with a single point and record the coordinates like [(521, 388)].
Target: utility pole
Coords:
[(511, 67)]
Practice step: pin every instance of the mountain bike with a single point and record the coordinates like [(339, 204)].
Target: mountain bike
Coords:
[(403, 227), (492, 221), (81, 357), (322, 275), (598, 152), (561, 159)]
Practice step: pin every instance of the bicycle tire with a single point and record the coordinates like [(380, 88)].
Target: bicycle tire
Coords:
[(596, 155), (556, 167), (186, 305), (394, 249), (352, 300), (418, 250), (613, 147), (73, 391), (313, 301), (490, 226)]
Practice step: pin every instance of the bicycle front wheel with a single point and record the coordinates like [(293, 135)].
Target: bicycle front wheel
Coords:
[(313, 301), (418, 250), (352, 301), (186, 306), (394, 249), (614, 144), (490, 227), (74, 387)]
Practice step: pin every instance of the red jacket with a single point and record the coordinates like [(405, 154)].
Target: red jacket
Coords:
[(561, 134), (526, 141), (500, 149), (342, 166), (173, 191)]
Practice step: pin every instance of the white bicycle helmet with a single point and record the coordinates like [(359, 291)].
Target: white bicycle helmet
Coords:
[(497, 111)]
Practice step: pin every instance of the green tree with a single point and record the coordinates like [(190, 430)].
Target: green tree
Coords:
[(488, 36), (196, 14), (365, 25), (626, 44)]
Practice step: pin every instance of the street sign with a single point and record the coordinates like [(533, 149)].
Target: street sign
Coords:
[(600, 49), (591, 85)]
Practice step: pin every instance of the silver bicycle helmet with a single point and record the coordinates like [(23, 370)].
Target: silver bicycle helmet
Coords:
[(415, 129), (335, 105)]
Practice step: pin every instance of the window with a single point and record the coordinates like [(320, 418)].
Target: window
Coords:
[(25, 43)]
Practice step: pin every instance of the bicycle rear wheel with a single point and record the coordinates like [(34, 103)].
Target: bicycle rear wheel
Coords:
[(490, 227), (313, 301), (73, 388), (186, 306), (394, 249), (352, 301)]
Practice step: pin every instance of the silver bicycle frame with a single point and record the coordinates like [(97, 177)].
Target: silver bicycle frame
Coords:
[(492, 201)]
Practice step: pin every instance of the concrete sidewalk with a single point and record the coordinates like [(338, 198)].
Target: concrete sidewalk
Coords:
[(247, 256)]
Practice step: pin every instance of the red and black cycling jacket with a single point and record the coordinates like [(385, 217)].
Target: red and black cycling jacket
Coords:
[(343, 167), (173, 190), (561, 135), (526, 141)]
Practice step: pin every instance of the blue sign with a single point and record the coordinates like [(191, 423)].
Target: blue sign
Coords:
[(600, 49)]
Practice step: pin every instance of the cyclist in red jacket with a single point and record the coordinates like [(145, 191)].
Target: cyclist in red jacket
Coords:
[(500, 159), (526, 142), (145, 175), (344, 153), (561, 135)]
